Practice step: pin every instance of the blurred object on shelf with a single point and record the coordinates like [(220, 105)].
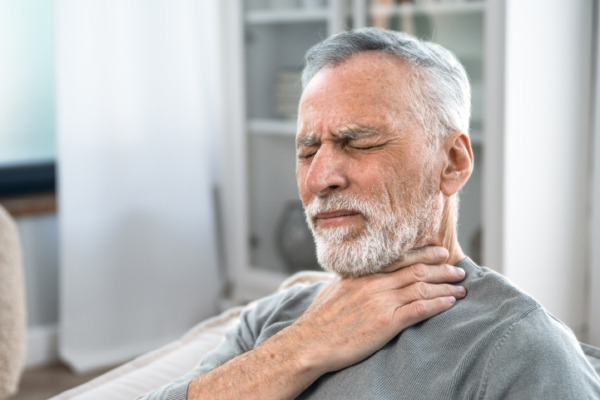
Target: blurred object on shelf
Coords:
[(384, 17), (313, 3), (288, 90), (294, 239), (257, 4), (381, 19), (284, 4), (407, 22)]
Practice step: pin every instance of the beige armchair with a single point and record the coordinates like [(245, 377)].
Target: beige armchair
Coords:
[(12, 307)]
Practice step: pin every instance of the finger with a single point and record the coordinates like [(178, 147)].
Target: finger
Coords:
[(426, 291), (418, 273), (421, 310), (425, 255), (429, 273)]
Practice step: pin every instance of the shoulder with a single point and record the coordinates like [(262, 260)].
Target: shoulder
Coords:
[(541, 336), (294, 297), (522, 350), (492, 304), (528, 352), (537, 356), (273, 313), (513, 316)]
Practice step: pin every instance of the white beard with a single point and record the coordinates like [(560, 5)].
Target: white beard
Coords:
[(389, 233)]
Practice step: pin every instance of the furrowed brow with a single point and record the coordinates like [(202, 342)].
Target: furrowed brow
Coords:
[(306, 141), (354, 132)]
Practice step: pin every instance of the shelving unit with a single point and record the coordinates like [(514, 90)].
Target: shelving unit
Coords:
[(430, 9), (259, 126), (511, 197), (264, 17), (270, 58), (267, 58)]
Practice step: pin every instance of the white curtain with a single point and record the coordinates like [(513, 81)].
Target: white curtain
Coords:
[(137, 236), (594, 275), (26, 82)]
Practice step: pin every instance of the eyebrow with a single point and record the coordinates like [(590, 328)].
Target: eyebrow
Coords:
[(350, 132)]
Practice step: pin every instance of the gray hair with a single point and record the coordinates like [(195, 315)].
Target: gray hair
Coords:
[(440, 98)]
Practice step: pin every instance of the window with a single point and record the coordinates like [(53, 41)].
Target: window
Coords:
[(27, 98)]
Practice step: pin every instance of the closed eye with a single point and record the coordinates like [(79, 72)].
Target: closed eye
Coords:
[(306, 154), (365, 147)]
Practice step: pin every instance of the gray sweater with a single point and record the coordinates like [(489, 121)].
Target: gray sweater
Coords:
[(497, 343)]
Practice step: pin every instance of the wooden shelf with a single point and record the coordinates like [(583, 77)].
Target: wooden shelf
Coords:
[(286, 16), (447, 8), (30, 204)]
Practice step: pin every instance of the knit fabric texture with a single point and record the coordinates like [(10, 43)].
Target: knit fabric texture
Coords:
[(12, 307), (497, 343)]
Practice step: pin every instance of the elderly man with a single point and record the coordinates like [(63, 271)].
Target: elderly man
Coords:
[(382, 151)]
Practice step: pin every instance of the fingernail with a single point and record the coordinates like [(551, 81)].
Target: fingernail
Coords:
[(459, 272), (460, 290)]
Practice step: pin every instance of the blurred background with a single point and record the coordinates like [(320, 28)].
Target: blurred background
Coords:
[(147, 156)]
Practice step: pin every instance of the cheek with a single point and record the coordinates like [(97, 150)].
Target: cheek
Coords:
[(301, 180), (376, 184), (394, 185)]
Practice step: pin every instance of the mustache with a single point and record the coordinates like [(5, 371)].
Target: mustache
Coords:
[(337, 201)]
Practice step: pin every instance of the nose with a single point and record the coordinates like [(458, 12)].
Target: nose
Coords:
[(327, 172)]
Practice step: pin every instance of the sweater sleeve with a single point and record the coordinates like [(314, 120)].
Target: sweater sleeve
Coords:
[(527, 365), (242, 338)]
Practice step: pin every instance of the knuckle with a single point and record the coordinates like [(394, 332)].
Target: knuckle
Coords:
[(423, 290), (419, 308), (419, 271)]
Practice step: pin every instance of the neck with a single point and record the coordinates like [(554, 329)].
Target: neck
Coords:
[(447, 234)]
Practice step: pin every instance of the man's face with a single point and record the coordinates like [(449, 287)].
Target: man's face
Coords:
[(366, 175)]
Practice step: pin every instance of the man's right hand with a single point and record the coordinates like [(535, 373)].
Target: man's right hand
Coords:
[(353, 318), (348, 321)]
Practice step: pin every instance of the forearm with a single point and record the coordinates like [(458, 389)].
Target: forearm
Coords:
[(349, 320), (275, 370)]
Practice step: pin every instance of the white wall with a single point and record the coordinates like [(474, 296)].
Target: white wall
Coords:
[(545, 167), (39, 241), (594, 242), (27, 134)]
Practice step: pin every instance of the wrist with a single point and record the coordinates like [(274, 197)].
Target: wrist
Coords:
[(307, 357)]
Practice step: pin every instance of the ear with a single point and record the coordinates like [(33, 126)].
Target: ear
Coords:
[(458, 163)]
